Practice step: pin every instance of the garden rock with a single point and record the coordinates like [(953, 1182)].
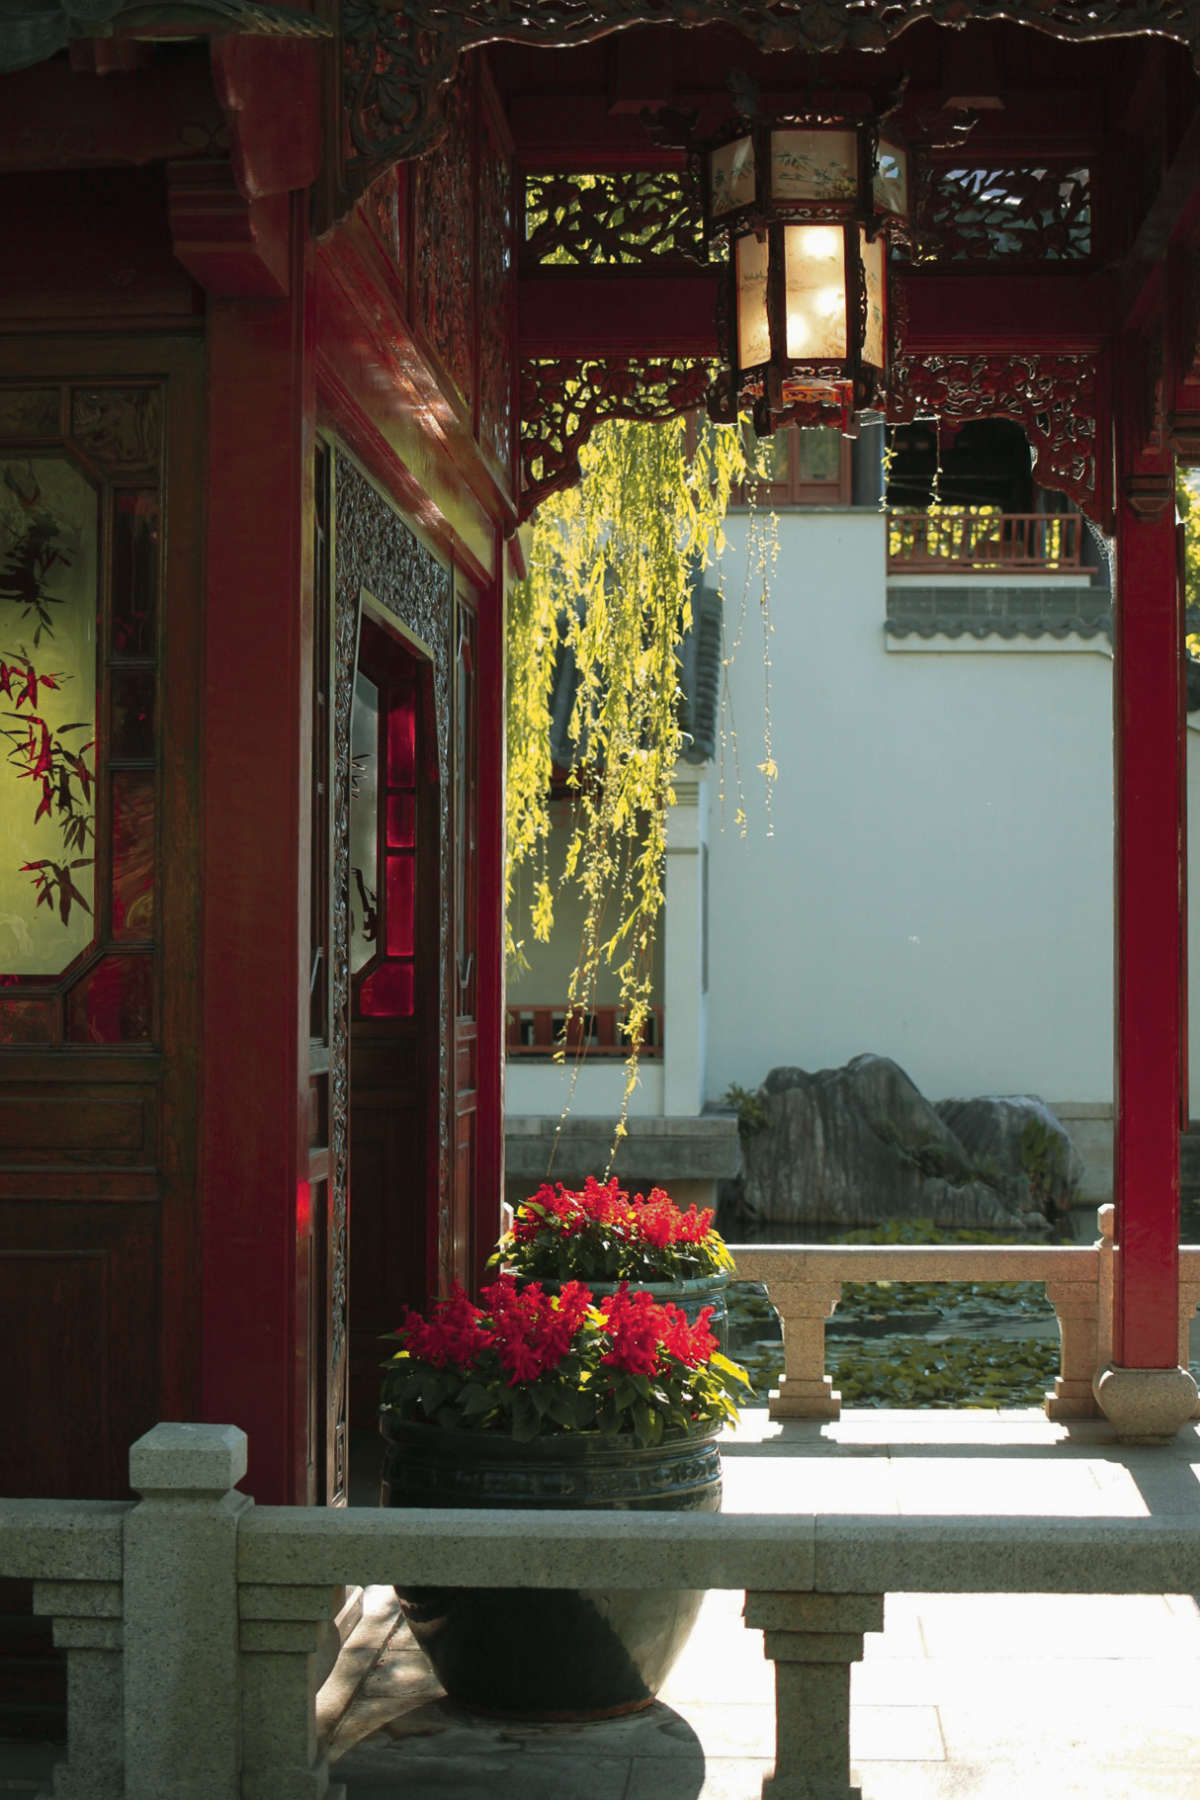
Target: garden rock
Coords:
[(860, 1145), (1018, 1135)]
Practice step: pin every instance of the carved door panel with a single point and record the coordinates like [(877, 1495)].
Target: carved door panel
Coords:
[(99, 626)]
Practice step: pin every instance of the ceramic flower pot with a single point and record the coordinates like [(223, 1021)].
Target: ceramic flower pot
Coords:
[(549, 1653)]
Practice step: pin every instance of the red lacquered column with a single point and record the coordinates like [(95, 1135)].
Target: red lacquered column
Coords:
[(256, 901), (1149, 887)]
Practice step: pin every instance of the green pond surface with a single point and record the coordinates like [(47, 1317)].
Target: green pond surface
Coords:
[(904, 1344)]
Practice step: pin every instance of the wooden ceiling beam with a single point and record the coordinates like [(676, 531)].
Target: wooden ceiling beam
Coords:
[(619, 312), (1173, 218)]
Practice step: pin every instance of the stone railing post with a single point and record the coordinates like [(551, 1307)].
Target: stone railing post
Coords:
[(805, 1391), (182, 1711), (812, 1639), (1077, 1308), (281, 1631), (87, 1625)]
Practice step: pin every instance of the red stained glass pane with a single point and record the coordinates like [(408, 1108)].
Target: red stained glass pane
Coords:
[(400, 905), (402, 737), (135, 574), (28, 1021), (387, 993), (113, 1003), (133, 853), (401, 821), (132, 730)]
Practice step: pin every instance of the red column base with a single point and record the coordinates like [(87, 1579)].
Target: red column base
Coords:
[(1146, 1406)]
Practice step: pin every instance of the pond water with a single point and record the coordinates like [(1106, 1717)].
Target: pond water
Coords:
[(915, 1344)]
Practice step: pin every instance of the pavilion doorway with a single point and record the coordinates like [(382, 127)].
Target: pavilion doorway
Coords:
[(394, 960)]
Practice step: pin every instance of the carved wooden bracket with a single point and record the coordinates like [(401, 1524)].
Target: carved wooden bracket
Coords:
[(564, 399), (1060, 400), (1149, 495), (232, 246), (229, 215), (397, 61)]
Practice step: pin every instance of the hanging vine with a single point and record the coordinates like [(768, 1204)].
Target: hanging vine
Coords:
[(609, 578)]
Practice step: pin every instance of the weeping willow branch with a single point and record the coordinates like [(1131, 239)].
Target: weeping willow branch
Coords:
[(610, 574)]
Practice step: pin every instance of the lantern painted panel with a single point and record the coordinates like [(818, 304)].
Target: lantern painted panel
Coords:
[(874, 349), (815, 279), (890, 185), (814, 164), (731, 176), (753, 329)]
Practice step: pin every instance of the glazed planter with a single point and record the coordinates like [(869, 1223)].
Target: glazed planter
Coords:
[(549, 1653)]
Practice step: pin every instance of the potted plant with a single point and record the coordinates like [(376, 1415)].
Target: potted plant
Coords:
[(537, 1399), (599, 1235)]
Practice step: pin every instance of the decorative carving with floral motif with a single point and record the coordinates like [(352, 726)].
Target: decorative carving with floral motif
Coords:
[(623, 216), (1055, 398), (396, 62), (562, 400), (444, 244), (497, 285)]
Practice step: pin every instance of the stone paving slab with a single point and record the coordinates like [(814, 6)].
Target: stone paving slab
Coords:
[(961, 1697)]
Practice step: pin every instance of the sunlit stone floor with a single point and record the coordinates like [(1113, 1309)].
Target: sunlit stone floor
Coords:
[(970, 1696)]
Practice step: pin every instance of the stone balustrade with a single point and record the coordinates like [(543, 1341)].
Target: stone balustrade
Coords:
[(192, 1619), (804, 1284)]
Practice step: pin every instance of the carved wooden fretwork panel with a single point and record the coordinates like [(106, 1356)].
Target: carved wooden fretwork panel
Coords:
[(622, 216), (563, 400), (1015, 213), (1056, 398), (396, 62), (443, 243), (377, 553), (497, 289), (380, 207)]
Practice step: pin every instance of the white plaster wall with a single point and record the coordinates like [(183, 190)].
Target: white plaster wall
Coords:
[(543, 1088), (938, 887)]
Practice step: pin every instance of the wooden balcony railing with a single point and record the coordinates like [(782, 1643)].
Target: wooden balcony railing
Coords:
[(600, 1031), (942, 543)]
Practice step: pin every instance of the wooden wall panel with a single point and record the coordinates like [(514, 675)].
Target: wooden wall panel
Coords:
[(78, 1312), (99, 1123)]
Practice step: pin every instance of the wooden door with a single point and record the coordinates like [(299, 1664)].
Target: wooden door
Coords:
[(395, 946), (99, 626)]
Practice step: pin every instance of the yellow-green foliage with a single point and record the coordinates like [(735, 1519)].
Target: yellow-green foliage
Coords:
[(1187, 506), (610, 571)]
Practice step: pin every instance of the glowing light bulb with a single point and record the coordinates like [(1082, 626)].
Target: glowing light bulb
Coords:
[(829, 302), (822, 243)]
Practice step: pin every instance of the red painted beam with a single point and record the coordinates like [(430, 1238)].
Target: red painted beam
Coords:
[(621, 312), (1066, 314), (617, 312), (1147, 673)]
